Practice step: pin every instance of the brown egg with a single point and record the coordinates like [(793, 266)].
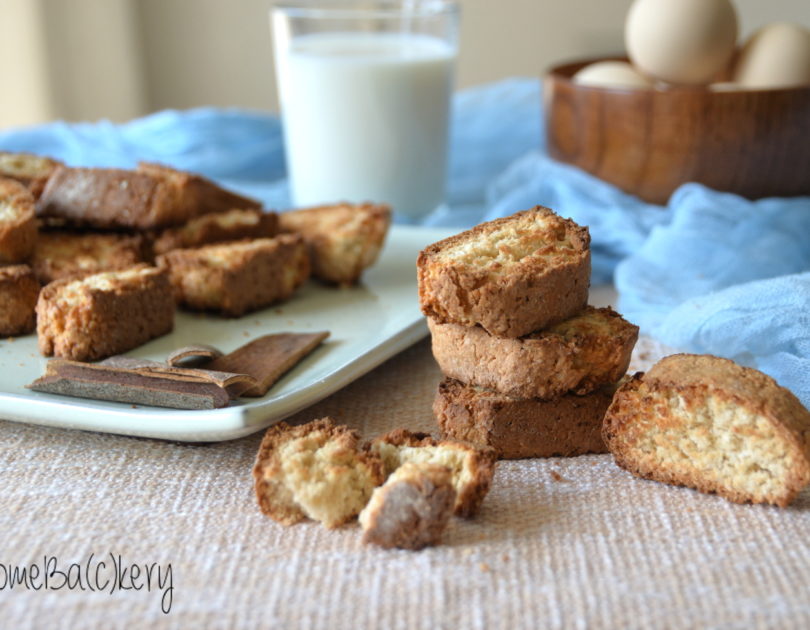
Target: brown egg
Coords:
[(681, 41), (777, 55), (612, 74)]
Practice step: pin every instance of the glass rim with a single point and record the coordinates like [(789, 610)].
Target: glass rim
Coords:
[(343, 9)]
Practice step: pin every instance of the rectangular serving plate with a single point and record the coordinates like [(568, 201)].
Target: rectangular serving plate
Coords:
[(368, 324)]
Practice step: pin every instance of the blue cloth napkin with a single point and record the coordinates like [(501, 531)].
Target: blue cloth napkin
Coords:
[(710, 273)]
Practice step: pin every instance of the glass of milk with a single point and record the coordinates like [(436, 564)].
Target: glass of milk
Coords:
[(365, 89)]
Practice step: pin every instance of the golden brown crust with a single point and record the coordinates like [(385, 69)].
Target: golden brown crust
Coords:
[(412, 509), (231, 225), (710, 424), (579, 355), (104, 314), (110, 198), (344, 239), (18, 228), (273, 491), (520, 428), (32, 171), (198, 194), (152, 197), (472, 478), (511, 276), (18, 300), (238, 277), (66, 254)]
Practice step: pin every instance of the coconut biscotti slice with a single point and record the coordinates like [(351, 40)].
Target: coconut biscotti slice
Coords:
[(237, 277), (577, 355), (472, 467), (19, 290), (343, 239), (523, 427), (512, 276), (105, 313), (18, 228), (217, 227), (30, 170), (317, 470), (69, 254), (710, 424)]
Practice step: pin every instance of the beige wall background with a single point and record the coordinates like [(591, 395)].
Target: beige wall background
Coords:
[(118, 59)]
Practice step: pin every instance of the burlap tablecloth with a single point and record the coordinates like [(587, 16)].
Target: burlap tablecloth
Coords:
[(560, 543)]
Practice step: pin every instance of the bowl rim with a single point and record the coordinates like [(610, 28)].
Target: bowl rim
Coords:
[(563, 72)]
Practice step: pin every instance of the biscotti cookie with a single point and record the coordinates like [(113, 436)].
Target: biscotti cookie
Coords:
[(32, 171), (198, 194), (579, 355), (18, 300), (412, 509), (344, 239), (519, 428), (710, 424), (64, 254), (104, 314), (151, 198), (18, 227), (472, 467), (317, 470), (238, 277), (512, 276), (217, 227)]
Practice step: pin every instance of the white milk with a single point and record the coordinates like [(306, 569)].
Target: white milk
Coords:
[(366, 118)]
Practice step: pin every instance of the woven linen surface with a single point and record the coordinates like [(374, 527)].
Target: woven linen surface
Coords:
[(559, 543)]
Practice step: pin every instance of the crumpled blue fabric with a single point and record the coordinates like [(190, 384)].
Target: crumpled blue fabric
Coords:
[(710, 273)]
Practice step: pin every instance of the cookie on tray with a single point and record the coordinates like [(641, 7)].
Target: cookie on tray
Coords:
[(317, 470), (152, 197), (18, 300), (712, 425), (344, 239), (237, 277), (577, 355), (472, 467), (105, 313), (411, 509), (67, 254), (511, 276), (519, 428), (18, 227), (32, 171), (217, 227)]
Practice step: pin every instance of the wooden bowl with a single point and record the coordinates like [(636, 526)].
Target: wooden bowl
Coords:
[(755, 143)]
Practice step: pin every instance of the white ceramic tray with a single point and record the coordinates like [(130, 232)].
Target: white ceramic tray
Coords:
[(368, 324)]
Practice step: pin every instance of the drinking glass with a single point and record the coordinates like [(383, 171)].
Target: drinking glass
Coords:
[(365, 91)]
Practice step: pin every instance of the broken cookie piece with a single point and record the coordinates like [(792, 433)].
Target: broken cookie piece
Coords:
[(471, 467), (317, 471), (412, 509)]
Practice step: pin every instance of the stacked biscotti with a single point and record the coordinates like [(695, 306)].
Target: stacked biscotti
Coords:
[(530, 368)]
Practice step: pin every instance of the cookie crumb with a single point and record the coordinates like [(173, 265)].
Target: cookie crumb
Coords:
[(484, 567)]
